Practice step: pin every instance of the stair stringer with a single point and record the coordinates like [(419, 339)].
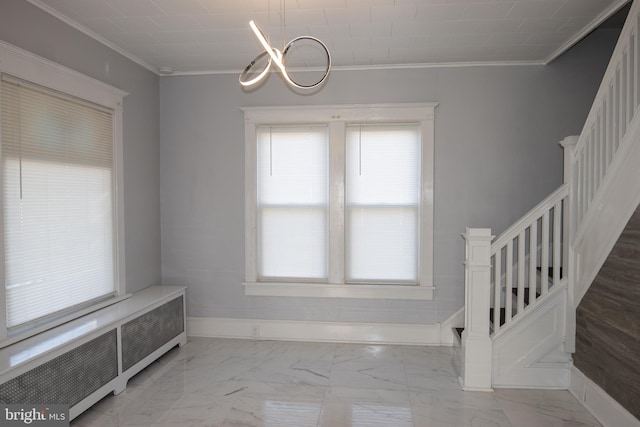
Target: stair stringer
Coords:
[(609, 213), (529, 352)]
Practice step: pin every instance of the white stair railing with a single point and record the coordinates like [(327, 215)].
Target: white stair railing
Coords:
[(605, 182), (506, 279), (527, 259), (607, 127)]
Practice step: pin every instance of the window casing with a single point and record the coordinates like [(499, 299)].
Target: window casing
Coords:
[(61, 207), (356, 138)]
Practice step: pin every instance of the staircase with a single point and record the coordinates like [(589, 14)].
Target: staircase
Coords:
[(523, 287)]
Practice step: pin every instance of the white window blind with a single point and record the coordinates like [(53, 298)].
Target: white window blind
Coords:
[(382, 183), (292, 202), (57, 201)]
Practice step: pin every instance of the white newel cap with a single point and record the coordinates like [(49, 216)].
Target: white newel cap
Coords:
[(478, 232), (569, 141)]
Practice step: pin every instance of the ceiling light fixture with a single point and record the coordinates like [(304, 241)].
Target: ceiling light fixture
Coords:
[(260, 66)]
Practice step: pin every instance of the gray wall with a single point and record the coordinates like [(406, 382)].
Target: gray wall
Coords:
[(496, 156), (29, 28)]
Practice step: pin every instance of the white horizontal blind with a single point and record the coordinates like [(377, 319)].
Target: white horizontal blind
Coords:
[(382, 203), (57, 195), (292, 202)]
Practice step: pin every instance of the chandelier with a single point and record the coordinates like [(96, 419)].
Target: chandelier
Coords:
[(305, 55)]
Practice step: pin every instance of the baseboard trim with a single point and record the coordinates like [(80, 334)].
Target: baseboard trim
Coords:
[(296, 330), (456, 320), (597, 401)]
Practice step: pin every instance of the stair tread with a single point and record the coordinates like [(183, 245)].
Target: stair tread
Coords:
[(551, 271), (503, 312), (459, 332), (514, 291), (503, 315)]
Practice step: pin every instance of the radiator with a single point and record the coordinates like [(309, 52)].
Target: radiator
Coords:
[(136, 332)]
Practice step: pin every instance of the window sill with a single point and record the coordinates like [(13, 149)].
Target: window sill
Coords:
[(321, 290), (24, 332)]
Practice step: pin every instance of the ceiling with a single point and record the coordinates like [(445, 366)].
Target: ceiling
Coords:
[(213, 36)]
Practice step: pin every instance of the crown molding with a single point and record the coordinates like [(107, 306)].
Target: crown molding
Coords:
[(39, 4), (562, 49), (595, 23), (385, 67)]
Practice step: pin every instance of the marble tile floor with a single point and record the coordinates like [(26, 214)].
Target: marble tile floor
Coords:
[(238, 383)]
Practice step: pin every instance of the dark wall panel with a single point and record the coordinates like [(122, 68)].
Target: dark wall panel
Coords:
[(608, 322)]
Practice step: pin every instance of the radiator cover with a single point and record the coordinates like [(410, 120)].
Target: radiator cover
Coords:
[(68, 378), (79, 370), (145, 334)]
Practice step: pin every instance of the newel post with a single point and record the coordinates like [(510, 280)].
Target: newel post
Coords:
[(568, 144), (476, 342), (568, 231)]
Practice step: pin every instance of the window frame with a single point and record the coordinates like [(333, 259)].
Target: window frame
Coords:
[(337, 117), (24, 65)]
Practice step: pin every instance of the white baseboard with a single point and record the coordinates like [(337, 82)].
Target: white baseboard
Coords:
[(456, 320), (604, 407), (295, 330)]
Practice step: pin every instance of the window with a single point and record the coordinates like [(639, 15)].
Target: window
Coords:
[(60, 148), (339, 201), (382, 203), (293, 202)]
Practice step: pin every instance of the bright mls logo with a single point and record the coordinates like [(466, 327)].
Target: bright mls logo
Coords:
[(35, 415)]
